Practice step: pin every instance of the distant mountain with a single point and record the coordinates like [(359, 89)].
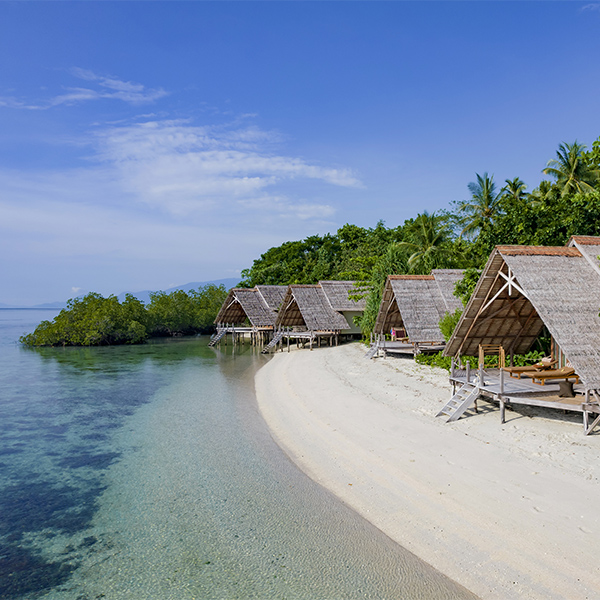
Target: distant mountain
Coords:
[(144, 295)]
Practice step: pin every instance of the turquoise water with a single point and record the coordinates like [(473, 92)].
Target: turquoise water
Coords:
[(146, 472)]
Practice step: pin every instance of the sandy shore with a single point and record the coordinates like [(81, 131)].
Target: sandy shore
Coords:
[(508, 511)]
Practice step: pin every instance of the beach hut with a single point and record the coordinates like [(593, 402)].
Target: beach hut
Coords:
[(412, 306), (311, 313), (249, 311), (522, 290), (342, 298)]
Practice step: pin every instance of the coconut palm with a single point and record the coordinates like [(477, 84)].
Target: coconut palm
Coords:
[(428, 243), (483, 208), (514, 189), (570, 170)]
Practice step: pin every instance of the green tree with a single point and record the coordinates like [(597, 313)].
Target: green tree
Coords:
[(93, 321), (592, 157), (393, 262), (183, 313), (484, 207), (449, 322), (571, 170), (465, 287), (428, 243), (514, 189)]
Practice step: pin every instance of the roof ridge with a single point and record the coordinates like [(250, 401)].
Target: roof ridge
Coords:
[(538, 250), (585, 240), (400, 277)]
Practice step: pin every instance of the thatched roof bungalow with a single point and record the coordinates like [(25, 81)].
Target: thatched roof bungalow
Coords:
[(325, 306), (416, 303), (342, 298), (524, 288), (257, 306)]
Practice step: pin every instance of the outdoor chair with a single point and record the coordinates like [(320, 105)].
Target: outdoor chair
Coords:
[(540, 377), (517, 372)]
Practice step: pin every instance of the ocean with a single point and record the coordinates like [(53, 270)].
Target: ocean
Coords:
[(147, 472)]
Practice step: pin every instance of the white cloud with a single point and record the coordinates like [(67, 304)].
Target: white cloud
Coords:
[(591, 7), (106, 87), (183, 169)]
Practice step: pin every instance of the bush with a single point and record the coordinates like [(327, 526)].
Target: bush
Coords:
[(449, 322), (491, 362)]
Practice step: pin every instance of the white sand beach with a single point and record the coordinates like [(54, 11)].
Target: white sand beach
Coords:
[(508, 511)]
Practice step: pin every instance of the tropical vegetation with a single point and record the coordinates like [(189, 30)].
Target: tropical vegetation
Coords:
[(97, 321), (565, 204)]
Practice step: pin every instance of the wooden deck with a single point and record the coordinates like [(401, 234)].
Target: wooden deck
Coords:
[(386, 348), (513, 391)]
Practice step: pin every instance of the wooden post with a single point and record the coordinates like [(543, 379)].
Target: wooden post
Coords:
[(502, 411), (288, 342), (468, 372), (502, 381), (452, 367)]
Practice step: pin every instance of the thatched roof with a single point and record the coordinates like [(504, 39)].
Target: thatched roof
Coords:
[(308, 306), (417, 303), (254, 304), (273, 295), (589, 246), (523, 288), (337, 293)]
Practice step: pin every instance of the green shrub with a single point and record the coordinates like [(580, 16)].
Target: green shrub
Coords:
[(491, 362), (449, 322)]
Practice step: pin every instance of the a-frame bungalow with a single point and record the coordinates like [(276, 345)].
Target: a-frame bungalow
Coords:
[(311, 313), (249, 311), (412, 307), (523, 292)]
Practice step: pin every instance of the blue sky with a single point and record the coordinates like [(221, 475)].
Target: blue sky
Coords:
[(149, 144)]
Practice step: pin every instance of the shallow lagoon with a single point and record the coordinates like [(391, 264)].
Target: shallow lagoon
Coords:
[(147, 472)]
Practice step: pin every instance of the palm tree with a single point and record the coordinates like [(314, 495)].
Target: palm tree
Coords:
[(483, 208), (428, 243), (514, 189), (570, 170), (543, 192)]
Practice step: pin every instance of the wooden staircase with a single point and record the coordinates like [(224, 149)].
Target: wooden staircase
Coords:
[(276, 339), (372, 350), (460, 402), (217, 336)]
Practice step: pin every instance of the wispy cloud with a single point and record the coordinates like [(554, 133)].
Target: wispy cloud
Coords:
[(102, 88), (594, 6), (184, 169)]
